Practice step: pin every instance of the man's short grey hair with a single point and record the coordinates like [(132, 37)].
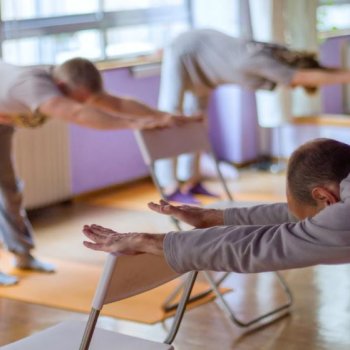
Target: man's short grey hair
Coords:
[(317, 163), (79, 72)]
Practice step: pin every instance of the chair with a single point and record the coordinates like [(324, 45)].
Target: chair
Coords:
[(171, 142), (123, 276), (158, 144)]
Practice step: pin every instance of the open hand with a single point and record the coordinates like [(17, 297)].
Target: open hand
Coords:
[(131, 243), (195, 216)]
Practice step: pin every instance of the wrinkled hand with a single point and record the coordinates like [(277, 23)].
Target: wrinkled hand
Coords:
[(194, 216), (133, 243)]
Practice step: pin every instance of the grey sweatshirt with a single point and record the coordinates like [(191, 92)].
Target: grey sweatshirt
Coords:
[(265, 238), (207, 58)]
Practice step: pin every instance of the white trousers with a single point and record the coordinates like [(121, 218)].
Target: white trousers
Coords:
[(175, 98)]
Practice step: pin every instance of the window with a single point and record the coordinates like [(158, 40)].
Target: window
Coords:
[(51, 31), (333, 17)]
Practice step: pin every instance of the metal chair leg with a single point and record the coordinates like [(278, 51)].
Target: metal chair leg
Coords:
[(188, 285), (222, 179), (89, 329), (243, 324), (168, 306)]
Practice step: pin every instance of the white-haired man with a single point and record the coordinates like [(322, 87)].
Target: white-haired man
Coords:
[(73, 92)]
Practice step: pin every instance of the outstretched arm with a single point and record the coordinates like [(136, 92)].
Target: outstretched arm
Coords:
[(266, 214), (322, 239), (66, 109), (131, 109), (247, 249), (194, 216), (317, 77), (119, 105)]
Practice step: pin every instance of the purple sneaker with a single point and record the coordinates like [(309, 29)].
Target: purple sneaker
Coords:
[(200, 189), (180, 197)]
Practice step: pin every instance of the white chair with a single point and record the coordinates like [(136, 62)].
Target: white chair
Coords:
[(123, 276), (171, 142)]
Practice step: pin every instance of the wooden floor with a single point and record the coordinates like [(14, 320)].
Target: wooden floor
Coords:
[(320, 318)]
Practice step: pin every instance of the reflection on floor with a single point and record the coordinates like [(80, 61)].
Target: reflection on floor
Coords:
[(320, 318)]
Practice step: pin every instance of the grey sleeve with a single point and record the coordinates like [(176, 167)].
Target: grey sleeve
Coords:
[(267, 67), (323, 239), (266, 214)]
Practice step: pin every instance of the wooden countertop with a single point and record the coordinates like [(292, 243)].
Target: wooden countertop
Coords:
[(322, 120)]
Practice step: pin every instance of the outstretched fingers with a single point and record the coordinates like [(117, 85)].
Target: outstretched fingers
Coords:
[(94, 246), (107, 240), (163, 208), (98, 234), (101, 229)]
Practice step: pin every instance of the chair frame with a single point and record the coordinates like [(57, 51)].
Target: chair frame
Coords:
[(150, 160), (95, 311), (121, 278)]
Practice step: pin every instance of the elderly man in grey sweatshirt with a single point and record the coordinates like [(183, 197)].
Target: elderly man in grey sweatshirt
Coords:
[(312, 228)]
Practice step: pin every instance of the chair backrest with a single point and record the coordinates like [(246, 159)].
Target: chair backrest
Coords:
[(163, 143), (124, 276), (171, 142)]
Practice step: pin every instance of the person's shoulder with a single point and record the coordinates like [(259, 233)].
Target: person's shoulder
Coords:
[(36, 76), (37, 71)]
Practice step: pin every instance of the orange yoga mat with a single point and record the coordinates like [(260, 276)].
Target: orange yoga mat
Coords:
[(73, 285)]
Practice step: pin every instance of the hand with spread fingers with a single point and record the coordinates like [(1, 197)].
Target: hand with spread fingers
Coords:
[(195, 216), (132, 243)]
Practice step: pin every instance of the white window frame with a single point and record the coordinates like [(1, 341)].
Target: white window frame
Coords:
[(101, 21), (333, 33)]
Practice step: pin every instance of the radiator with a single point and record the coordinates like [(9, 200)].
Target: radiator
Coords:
[(42, 162)]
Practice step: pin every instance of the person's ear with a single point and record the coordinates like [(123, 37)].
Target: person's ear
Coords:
[(324, 196), (62, 86)]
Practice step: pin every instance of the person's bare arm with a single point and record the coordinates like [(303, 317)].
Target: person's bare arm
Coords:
[(195, 216), (66, 109), (127, 106), (131, 108), (317, 77)]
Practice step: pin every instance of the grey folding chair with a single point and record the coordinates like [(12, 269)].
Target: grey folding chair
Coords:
[(123, 276), (171, 142)]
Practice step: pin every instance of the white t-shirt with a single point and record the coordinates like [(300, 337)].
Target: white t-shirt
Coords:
[(23, 90)]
